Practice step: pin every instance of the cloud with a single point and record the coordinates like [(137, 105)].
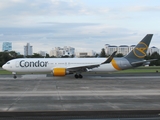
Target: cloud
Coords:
[(1, 35), (30, 12), (30, 9), (78, 35), (46, 7), (74, 23), (145, 8), (85, 36)]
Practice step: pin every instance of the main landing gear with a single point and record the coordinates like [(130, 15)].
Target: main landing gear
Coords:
[(78, 76)]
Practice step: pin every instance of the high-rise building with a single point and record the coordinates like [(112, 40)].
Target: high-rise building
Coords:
[(7, 46), (28, 50)]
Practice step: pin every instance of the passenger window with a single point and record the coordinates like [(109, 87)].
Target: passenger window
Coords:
[(8, 62)]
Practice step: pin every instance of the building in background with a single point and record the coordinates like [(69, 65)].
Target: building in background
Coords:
[(69, 51), (86, 54), (131, 48), (7, 46), (109, 49), (65, 51), (42, 53), (152, 50), (124, 49), (28, 50)]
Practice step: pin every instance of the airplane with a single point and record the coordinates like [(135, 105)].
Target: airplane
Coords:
[(65, 66)]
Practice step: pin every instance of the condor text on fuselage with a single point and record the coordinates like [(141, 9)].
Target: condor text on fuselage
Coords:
[(38, 63)]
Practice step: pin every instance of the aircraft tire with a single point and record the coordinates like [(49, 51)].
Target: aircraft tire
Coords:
[(76, 76), (14, 76), (80, 76)]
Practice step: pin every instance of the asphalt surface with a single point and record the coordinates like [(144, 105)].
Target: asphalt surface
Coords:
[(38, 93)]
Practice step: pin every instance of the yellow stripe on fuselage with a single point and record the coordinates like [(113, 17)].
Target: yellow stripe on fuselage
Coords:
[(115, 65)]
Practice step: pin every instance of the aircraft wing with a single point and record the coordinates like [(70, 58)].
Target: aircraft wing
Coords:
[(87, 68), (82, 68)]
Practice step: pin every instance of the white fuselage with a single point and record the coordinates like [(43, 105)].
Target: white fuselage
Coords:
[(48, 64)]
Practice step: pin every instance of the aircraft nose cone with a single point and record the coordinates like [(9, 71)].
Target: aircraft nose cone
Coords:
[(4, 66)]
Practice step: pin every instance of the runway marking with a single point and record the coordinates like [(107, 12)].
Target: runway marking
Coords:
[(36, 86), (60, 97), (82, 93), (17, 99)]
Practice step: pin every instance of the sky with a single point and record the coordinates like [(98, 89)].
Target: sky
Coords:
[(82, 24)]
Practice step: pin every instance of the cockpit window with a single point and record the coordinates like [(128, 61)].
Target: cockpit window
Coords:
[(8, 62)]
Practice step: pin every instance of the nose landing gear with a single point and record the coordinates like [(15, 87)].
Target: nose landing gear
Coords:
[(14, 75)]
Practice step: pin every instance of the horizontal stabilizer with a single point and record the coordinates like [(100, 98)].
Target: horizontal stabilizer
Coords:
[(142, 62), (110, 58)]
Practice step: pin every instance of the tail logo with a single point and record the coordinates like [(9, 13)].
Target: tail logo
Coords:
[(140, 50)]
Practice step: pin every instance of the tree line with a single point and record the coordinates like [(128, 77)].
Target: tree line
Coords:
[(9, 55)]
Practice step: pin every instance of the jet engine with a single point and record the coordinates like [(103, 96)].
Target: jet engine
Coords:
[(59, 71)]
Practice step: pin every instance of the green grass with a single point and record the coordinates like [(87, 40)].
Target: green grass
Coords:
[(139, 71), (151, 69), (4, 72)]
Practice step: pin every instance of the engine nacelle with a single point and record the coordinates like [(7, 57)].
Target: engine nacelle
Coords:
[(59, 71)]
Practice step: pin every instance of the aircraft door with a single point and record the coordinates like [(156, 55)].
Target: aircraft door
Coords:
[(17, 64)]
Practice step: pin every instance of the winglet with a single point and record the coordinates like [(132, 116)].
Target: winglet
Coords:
[(110, 58)]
